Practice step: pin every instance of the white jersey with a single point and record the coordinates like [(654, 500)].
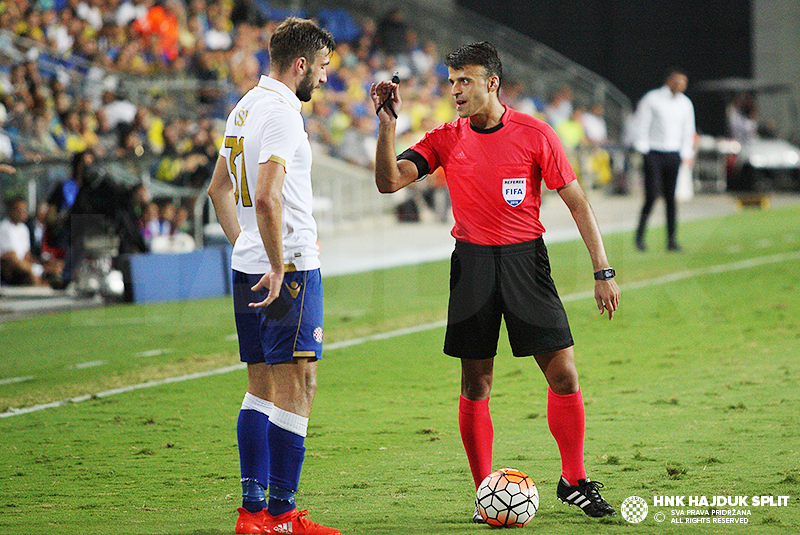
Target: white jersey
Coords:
[(266, 125)]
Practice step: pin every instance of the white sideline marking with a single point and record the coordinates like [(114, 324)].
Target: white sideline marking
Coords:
[(12, 380), (692, 273), (84, 365), (123, 389), (637, 285), (154, 352), (385, 336)]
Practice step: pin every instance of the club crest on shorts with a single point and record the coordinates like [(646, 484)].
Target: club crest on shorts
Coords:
[(318, 335), (513, 191)]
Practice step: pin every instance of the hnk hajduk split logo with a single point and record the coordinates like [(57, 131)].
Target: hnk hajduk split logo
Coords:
[(634, 509), (700, 509)]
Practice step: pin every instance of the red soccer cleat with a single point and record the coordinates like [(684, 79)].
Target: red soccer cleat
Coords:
[(295, 522), (250, 523)]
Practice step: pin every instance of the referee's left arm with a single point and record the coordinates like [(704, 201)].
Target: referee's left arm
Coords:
[(606, 292)]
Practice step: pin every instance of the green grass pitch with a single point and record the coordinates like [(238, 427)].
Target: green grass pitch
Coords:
[(692, 390)]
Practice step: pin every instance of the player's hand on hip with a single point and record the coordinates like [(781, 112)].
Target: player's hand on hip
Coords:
[(272, 280), (379, 93), (606, 293)]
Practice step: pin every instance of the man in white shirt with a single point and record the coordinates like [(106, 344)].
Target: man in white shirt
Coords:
[(17, 265), (261, 190), (665, 136), (118, 110)]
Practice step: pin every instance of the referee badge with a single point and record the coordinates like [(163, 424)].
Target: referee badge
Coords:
[(514, 191)]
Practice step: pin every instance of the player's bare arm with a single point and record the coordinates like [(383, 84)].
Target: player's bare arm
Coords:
[(606, 292), (390, 174), (221, 192), (269, 215)]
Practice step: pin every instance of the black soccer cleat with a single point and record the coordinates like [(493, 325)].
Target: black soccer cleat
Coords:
[(585, 495), (476, 516)]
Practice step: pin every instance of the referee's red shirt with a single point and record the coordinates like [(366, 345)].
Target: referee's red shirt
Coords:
[(495, 176)]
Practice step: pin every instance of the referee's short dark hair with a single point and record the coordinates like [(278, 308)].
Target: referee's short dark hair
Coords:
[(297, 38), (483, 54)]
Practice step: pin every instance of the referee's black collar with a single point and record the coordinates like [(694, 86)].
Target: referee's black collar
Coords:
[(495, 128)]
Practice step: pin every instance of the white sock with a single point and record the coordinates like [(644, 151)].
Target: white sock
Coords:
[(294, 423), (255, 403)]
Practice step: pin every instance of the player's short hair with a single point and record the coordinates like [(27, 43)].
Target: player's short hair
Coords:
[(483, 54), (297, 38)]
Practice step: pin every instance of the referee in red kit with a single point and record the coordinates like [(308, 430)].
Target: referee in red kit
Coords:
[(495, 160)]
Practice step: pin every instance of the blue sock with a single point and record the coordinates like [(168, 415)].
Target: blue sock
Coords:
[(253, 496), (280, 500), (286, 437), (251, 431)]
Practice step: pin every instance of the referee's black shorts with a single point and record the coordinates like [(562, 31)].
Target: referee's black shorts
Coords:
[(490, 282)]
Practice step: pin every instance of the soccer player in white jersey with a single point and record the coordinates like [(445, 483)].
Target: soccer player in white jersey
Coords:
[(261, 191)]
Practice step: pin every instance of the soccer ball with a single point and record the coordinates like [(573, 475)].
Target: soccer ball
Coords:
[(507, 498)]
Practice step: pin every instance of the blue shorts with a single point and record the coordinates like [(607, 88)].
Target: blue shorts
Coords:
[(290, 327)]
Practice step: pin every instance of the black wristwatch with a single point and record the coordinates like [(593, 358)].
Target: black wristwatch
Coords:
[(604, 274)]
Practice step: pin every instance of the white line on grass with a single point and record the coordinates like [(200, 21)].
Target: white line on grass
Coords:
[(154, 352), (12, 380), (637, 285), (385, 336), (692, 273), (121, 390), (84, 365)]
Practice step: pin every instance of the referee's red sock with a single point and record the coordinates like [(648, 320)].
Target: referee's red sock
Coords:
[(565, 417), (477, 435)]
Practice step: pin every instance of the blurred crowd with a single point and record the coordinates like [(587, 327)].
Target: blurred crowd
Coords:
[(47, 245), (222, 44)]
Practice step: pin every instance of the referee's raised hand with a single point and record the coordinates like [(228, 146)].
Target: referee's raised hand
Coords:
[(386, 98)]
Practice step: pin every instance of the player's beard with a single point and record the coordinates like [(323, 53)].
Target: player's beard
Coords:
[(305, 88)]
